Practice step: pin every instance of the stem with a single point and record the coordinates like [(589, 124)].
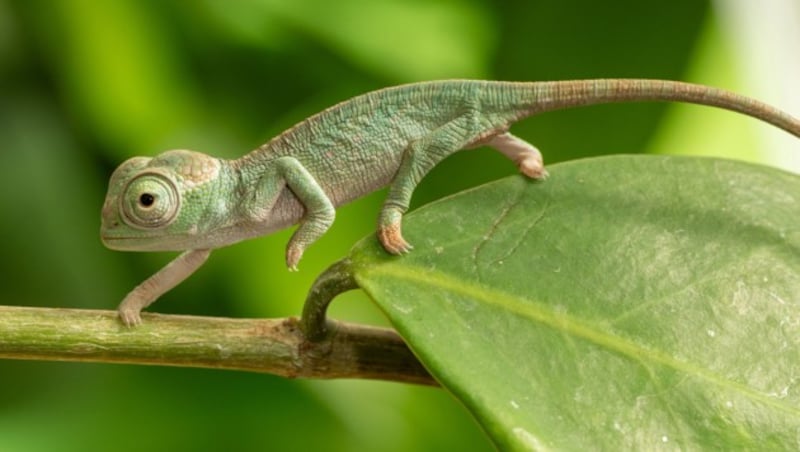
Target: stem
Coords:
[(275, 346), (336, 279)]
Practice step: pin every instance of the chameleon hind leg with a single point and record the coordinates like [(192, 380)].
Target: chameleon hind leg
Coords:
[(524, 154), (419, 157), (425, 153)]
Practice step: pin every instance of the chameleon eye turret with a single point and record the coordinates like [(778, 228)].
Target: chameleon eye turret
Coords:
[(150, 201)]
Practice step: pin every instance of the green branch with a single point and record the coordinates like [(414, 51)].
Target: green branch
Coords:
[(275, 346)]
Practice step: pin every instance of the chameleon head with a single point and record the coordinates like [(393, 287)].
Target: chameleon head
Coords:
[(146, 206)]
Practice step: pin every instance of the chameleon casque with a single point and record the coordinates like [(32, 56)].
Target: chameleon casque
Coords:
[(188, 201)]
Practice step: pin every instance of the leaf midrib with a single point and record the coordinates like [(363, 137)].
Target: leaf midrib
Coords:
[(537, 312)]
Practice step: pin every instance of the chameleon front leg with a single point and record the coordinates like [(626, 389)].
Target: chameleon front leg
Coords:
[(320, 213), (153, 287)]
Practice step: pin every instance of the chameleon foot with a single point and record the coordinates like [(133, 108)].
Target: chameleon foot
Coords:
[(533, 168), (293, 255), (129, 311), (392, 239), (129, 317)]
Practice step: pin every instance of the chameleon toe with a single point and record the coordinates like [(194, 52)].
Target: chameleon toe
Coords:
[(130, 318), (392, 239)]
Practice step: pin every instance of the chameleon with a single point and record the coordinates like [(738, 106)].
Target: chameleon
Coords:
[(182, 200)]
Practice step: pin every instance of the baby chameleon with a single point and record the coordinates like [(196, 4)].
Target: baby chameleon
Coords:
[(191, 202)]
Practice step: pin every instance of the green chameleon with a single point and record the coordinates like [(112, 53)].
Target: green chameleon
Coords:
[(187, 201)]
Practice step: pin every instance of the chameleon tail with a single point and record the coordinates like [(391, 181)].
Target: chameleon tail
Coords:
[(539, 97)]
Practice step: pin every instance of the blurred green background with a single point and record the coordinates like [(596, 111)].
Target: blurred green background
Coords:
[(86, 84)]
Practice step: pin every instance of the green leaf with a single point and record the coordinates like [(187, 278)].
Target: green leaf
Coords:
[(626, 303)]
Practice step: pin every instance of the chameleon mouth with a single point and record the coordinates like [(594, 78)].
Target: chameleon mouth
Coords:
[(144, 243), (118, 243), (127, 242)]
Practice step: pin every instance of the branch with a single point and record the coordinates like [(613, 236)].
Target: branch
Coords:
[(275, 346)]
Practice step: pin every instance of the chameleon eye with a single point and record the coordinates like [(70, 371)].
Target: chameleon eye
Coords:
[(147, 199), (150, 201)]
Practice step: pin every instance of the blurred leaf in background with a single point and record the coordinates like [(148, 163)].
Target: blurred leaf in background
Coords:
[(85, 85)]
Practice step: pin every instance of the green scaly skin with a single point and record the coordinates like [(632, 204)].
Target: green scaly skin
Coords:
[(187, 201)]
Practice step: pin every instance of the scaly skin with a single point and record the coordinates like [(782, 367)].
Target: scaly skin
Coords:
[(191, 202)]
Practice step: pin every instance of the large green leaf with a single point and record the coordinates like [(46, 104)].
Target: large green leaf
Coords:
[(633, 303)]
